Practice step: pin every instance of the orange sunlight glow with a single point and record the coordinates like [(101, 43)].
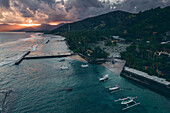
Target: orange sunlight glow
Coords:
[(29, 25), (53, 23)]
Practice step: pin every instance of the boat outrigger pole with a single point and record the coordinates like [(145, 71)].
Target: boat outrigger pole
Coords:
[(127, 101)]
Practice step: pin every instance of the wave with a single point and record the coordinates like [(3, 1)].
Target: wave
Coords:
[(10, 60), (32, 38)]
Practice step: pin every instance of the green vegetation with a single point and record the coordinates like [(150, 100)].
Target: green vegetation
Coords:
[(145, 30), (123, 24), (79, 43), (144, 55)]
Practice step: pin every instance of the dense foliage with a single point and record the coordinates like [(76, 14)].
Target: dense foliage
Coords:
[(79, 43), (144, 55), (124, 24)]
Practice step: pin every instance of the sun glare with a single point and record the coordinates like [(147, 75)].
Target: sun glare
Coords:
[(30, 21), (29, 25), (53, 23)]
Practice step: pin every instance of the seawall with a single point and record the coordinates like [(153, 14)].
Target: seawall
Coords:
[(154, 83)]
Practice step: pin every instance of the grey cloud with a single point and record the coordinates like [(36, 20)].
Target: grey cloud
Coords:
[(72, 10), (4, 3), (141, 5), (83, 5)]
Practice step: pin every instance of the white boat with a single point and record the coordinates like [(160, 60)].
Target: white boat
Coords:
[(84, 65), (114, 88), (61, 60), (63, 67), (127, 101), (104, 78)]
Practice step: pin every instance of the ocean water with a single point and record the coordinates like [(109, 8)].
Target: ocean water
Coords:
[(39, 86)]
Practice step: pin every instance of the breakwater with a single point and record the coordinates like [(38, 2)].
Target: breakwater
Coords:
[(21, 58), (50, 56), (155, 83)]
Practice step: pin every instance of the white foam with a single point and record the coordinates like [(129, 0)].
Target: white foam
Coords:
[(35, 47), (22, 40)]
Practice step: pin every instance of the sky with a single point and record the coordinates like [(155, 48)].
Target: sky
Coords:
[(26, 13)]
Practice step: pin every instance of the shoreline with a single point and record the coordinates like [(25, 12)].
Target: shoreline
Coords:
[(117, 67), (153, 83), (78, 58)]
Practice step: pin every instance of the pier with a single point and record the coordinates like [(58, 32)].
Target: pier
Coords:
[(50, 56), (46, 48), (46, 42), (21, 58)]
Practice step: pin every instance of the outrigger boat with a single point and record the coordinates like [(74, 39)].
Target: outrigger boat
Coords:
[(113, 88), (84, 66), (116, 88), (63, 68), (104, 78), (127, 101), (61, 60)]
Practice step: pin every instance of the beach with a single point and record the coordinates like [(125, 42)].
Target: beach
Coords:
[(117, 67), (78, 58)]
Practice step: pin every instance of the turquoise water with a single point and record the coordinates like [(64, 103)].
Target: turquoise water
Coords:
[(39, 87)]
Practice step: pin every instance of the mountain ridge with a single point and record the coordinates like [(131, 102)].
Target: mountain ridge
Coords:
[(41, 28), (121, 21)]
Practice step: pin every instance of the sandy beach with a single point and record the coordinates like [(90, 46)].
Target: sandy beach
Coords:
[(78, 58), (117, 67)]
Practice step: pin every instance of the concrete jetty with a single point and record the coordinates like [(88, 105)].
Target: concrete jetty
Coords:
[(48, 47), (50, 56), (47, 41), (21, 58), (154, 83)]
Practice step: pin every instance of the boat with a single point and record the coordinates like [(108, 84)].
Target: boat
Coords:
[(115, 88), (84, 65), (128, 100), (69, 89), (104, 78), (63, 67), (61, 60)]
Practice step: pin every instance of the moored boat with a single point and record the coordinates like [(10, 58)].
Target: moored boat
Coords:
[(84, 65), (126, 101), (104, 78), (61, 60), (116, 87), (64, 68)]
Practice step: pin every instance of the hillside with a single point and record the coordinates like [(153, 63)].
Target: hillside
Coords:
[(148, 32), (124, 23), (106, 21)]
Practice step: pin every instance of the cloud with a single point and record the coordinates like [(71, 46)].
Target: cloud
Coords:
[(4, 3), (45, 11), (141, 5)]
